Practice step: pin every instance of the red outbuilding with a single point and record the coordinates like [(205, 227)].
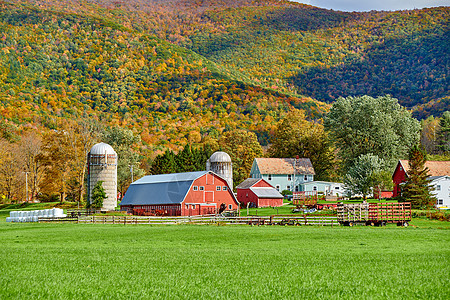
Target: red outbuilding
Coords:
[(435, 168), (259, 192), (180, 194)]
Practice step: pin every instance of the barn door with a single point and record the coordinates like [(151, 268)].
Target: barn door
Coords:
[(209, 197)]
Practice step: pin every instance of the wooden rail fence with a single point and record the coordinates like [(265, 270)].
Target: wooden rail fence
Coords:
[(213, 219)]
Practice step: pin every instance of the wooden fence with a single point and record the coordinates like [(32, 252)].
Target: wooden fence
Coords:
[(212, 219)]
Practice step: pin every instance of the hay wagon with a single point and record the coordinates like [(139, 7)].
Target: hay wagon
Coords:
[(374, 214)]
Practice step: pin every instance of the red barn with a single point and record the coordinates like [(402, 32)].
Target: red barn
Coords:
[(259, 192), (435, 168), (180, 194)]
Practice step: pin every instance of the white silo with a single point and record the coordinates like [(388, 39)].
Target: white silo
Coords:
[(102, 166), (220, 163)]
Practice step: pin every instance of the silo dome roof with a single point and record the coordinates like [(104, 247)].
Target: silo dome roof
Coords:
[(102, 148), (220, 156)]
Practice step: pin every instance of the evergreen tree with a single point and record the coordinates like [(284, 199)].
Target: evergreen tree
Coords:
[(98, 195), (164, 163), (443, 135), (417, 188)]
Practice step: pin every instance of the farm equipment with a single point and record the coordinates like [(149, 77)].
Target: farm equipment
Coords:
[(308, 199), (374, 214)]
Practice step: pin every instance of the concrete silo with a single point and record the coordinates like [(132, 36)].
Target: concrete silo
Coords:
[(220, 163), (102, 166)]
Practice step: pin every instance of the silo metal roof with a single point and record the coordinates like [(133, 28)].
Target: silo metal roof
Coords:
[(102, 148), (220, 156)]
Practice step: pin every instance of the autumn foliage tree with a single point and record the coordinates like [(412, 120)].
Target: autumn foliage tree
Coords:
[(294, 135)]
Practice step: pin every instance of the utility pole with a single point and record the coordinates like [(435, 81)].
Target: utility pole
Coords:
[(26, 186), (131, 170)]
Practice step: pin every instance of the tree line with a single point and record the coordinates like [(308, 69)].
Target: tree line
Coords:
[(358, 142)]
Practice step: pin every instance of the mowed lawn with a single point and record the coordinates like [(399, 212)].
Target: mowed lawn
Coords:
[(79, 261)]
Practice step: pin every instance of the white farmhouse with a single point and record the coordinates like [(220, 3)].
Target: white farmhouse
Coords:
[(441, 191)]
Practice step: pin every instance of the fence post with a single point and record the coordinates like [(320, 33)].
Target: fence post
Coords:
[(125, 220), (113, 220)]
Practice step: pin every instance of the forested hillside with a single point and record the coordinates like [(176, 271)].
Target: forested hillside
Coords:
[(299, 49), (66, 66), (153, 77)]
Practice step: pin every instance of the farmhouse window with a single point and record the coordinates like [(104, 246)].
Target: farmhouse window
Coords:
[(289, 177), (440, 202), (278, 188), (218, 188), (314, 188), (438, 188), (202, 188), (269, 177), (296, 188), (306, 178), (195, 188), (230, 206), (336, 188), (288, 187), (224, 188)]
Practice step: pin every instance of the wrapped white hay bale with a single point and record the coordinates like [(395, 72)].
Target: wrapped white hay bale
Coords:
[(8, 219)]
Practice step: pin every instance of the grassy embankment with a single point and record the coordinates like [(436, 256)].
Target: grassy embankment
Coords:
[(64, 261)]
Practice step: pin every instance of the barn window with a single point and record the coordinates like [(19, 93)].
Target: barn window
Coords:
[(289, 177), (230, 206), (224, 188), (195, 188), (217, 188), (269, 177), (278, 187), (202, 188), (187, 206)]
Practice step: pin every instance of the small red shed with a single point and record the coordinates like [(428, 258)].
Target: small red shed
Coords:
[(259, 192), (180, 194)]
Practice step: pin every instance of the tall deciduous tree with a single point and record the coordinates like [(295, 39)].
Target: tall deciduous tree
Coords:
[(362, 125), (243, 148), (366, 173), (29, 149), (417, 188), (294, 135)]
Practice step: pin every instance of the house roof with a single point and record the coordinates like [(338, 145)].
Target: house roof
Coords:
[(266, 192), (303, 166), (436, 168), (161, 189), (433, 178), (248, 183), (322, 182)]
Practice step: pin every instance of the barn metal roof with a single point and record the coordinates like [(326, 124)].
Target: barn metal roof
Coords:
[(303, 166), (160, 189), (248, 183), (266, 192), (174, 177)]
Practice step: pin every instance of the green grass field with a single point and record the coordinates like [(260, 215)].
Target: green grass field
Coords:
[(75, 261)]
